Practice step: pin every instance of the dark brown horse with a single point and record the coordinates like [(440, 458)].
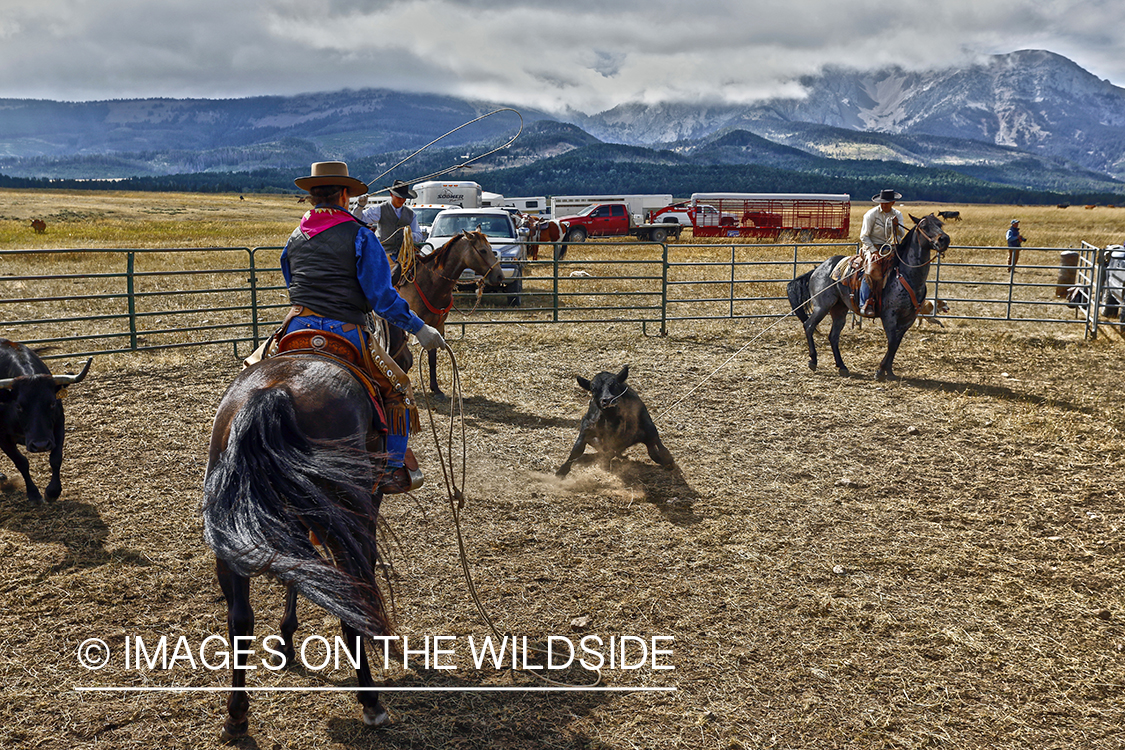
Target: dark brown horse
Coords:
[(288, 492), (429, 288)]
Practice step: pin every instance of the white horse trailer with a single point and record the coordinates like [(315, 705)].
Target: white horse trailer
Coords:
[(463, 194), (535, 205)]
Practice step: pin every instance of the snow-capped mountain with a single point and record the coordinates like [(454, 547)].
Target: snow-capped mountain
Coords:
[(1033, 100)]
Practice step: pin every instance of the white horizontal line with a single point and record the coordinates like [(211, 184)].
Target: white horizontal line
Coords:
[(574, 689)]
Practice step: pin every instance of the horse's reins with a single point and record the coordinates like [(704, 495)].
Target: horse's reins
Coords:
[(456, 497)]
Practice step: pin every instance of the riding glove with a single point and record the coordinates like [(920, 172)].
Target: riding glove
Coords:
[(430, 338)]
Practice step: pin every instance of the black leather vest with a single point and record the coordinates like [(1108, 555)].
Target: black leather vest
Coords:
[(323, 274)]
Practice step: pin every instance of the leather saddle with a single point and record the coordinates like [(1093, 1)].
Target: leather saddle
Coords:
[(341, 351), (849, 272)]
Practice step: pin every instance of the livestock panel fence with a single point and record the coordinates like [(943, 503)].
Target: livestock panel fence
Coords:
[(80, 302)]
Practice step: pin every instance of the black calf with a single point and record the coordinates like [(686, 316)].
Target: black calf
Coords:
[(616, 420), (31, 412)]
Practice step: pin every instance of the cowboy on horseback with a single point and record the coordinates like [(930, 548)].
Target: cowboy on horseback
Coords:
[(391, 219), (883, 228), (337, 271)]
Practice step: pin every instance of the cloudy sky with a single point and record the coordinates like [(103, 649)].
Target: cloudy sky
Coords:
[(585, 54)]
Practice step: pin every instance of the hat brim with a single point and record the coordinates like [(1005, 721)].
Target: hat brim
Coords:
[(881, 199), (408, 194), (351, 183)]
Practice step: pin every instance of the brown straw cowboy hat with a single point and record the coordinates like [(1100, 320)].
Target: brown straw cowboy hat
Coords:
[(331, 173)]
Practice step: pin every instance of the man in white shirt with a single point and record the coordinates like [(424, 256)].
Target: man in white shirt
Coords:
[(883, 228), (391, 219)]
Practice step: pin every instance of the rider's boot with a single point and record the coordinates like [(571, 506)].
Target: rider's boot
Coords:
[(866, 298)]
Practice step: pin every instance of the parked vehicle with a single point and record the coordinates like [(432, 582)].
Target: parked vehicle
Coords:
[(501, 230), (613, 220), (534, 205), (683, 213), (640, 205), (463, 194), (426, 212), (806, 215), (1115, 283)]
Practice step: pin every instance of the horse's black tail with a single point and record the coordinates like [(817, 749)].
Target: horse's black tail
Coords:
[(271, 487), (799, 295)]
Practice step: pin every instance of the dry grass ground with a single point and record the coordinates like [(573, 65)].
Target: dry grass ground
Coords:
[(934, 562)]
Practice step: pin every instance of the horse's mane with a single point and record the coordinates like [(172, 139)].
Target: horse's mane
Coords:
[(442, 251)]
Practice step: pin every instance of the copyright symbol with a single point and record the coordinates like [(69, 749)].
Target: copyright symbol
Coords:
[(93, 653)]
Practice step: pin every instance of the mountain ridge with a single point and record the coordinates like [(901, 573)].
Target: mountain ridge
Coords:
[(1031, 120)]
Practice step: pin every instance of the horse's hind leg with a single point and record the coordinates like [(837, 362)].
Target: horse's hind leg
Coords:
[(839, 317), (815, 317), (374, 713), (240, 624), (289, 626)]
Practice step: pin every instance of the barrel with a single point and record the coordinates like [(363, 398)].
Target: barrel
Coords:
[(1068, 272)]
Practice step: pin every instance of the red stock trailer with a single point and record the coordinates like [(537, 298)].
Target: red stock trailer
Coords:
[(804, 216)]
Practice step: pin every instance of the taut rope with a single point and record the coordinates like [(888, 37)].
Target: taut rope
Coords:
[(456, 498)]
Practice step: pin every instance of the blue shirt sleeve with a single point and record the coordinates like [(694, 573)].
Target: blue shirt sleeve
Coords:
[(285, 265), (374, 272)]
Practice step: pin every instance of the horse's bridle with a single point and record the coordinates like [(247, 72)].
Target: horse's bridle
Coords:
[(933, 243), (444, 249)]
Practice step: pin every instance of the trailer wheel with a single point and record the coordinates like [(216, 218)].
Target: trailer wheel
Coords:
[(659, 234)]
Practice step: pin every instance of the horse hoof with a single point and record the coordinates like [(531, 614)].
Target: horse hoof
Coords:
[(287, 659), (844, 372), (230, 734), (376, 716), (881, 376), (812, 365)]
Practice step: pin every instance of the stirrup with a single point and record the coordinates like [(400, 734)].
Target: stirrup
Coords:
[(410, 463)]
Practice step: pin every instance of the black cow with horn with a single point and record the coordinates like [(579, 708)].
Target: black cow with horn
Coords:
[(31, 412)]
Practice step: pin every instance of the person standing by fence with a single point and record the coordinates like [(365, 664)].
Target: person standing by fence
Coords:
[(1015, 242)]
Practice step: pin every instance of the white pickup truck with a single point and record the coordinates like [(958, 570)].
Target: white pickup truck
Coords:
[(681, 213)]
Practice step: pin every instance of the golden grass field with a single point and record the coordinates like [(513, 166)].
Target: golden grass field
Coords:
[(80, 219), (931, 562)]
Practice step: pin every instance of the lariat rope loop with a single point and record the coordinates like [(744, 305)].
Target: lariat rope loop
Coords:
[(456, 497)]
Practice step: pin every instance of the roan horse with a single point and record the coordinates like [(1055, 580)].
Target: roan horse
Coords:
[(816, 294), (289, 493), (429, 288)]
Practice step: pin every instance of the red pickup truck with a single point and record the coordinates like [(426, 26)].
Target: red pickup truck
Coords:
[(613, 220)]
